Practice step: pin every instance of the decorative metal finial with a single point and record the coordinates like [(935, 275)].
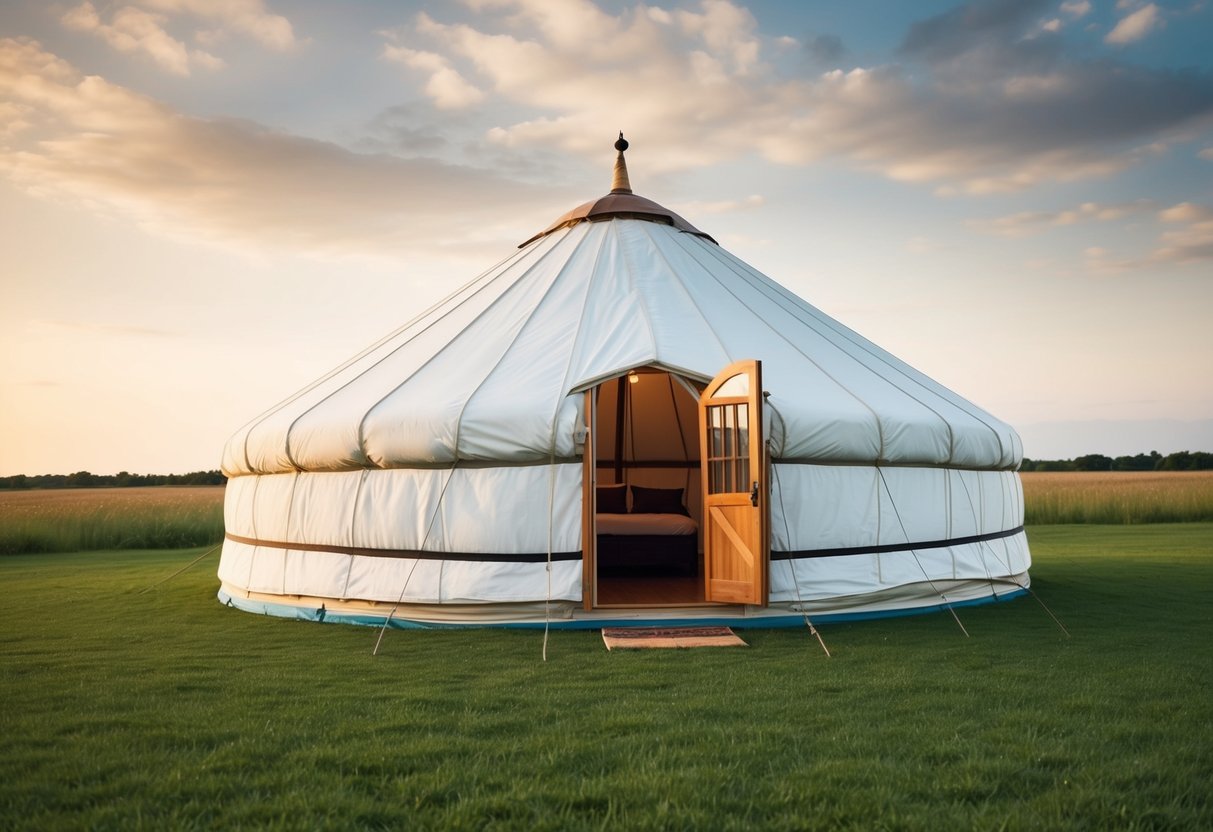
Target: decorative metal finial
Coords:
[(619, 182)]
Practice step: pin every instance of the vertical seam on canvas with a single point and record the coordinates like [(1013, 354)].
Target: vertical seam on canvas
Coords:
[(255, 422), (795, 347)]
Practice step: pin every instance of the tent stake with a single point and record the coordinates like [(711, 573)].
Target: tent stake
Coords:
[(813, 630), (800, 602)]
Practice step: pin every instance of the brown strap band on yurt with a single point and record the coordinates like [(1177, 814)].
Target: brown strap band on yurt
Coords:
[(415, 554), (894, 547)]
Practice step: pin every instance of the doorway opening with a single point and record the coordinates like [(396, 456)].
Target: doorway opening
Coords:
[(648, 495)]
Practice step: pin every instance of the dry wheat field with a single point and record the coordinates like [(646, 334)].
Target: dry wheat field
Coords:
[(1118, 497), (82, 519)]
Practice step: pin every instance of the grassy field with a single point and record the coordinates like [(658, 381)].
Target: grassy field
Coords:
[(1117, 497), (77, 519), (166, 710)]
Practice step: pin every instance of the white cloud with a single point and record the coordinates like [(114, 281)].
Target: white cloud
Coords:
[(206, 60), (1135, 26), (1014, 225), (694, 87), (1026, 223), (726, 29), (1040, 87), (446, 87), (1076, 8), (12, 118), (1100, 261), (1103, 213), (1186, 212), (1187, 239), (569, 24), (133, 30), (1193, 241), (659, 15), (1207, 153), (142, 27), (99, 144), (248, 17)]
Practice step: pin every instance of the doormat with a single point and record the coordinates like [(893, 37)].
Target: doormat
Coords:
[(646, 638)]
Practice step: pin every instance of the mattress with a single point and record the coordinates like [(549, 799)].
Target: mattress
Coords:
[(665, 525)]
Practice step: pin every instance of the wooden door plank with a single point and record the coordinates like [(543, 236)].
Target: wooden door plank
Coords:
[(722, 522)]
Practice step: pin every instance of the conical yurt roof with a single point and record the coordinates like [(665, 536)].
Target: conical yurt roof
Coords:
[(487, 374)]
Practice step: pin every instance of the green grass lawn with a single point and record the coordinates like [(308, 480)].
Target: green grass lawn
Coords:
[(167, 710)]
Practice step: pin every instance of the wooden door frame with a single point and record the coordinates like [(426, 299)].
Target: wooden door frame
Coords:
[(589, 506), (589, 494)]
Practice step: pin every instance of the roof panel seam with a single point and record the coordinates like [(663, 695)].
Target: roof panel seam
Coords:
[(361, 438), (564, 386), (257, 420), (857, 340), (518, 334), (807, 357), (791, 310), (680, 282), (646, 315)]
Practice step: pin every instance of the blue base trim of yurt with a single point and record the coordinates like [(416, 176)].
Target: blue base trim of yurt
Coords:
[(790, 620)]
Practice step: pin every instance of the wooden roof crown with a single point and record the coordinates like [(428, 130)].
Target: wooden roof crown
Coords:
[(620, 202)]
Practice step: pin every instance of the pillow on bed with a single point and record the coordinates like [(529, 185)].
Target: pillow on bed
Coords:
[(612, 499), (657, 501)]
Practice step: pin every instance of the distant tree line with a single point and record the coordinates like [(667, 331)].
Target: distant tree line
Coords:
[(1153, 461), (123, 479)]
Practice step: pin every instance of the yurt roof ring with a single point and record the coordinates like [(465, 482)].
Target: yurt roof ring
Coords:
[(620, 203)]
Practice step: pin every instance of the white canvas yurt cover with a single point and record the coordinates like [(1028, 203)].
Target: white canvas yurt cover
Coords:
[(621, 422)]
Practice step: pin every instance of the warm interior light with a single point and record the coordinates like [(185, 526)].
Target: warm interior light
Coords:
[(633, 378)]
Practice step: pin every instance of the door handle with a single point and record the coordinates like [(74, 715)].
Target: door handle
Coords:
[(754, 495)]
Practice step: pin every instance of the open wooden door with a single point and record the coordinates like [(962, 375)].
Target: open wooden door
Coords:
[(734, 477)]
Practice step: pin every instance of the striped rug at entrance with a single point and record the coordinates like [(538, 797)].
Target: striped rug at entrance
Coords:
[(641, 638)]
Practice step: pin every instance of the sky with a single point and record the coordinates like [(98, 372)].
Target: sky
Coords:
[(207, 204)]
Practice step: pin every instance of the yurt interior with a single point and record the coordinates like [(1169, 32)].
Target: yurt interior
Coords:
[(648, 504)]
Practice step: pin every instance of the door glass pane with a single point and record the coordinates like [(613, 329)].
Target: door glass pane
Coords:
[(730, 446), (738, 385), (729, 449), (728, 468), (743, 430)]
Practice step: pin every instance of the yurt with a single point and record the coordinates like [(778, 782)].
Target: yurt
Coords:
[(621, 423)]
